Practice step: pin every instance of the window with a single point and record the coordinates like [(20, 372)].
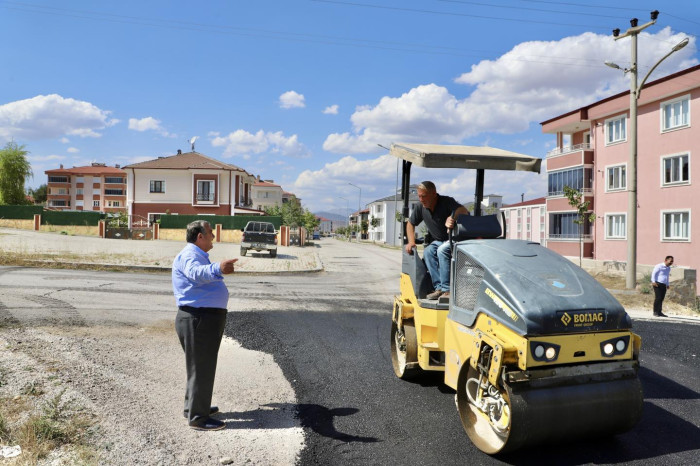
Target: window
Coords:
[(577, 178), (58, 203), (96, 180), (78, 190), (80, 179), (113, 203), (617, 178), (205, 190), (616, 130), (563, 226), (79, 203), (95, 203), (676, 226), (675, 113), (59, 191), (58, 179), (114, 192), (615, 226), (676, 169), (114, 180), (157, 186)]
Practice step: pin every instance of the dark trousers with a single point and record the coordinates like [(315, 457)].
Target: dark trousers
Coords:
[(200, 334), (660, 294)]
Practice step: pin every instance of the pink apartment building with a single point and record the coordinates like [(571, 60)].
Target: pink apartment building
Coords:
[(592, 153), (527, 220)]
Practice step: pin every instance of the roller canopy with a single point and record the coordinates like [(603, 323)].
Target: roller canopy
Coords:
[(477, 157)]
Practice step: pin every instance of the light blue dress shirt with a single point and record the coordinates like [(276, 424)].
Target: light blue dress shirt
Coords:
[(661, 274), (196, 281)]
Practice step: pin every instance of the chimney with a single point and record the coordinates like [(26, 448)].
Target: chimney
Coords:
[(116, 165), (258, 178), (61, 166), (179, 152)]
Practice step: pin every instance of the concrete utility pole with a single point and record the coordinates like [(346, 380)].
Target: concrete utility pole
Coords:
[(359, 216), (635, 92)]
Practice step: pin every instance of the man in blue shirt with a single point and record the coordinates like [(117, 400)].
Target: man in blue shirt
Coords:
[(660, 281), (436, 212), (202, 299)]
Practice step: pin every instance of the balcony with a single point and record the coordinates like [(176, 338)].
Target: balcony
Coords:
[(568, 150), (206, 197)]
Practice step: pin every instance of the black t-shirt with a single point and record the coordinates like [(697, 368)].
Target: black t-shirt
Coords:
[(435, 220)]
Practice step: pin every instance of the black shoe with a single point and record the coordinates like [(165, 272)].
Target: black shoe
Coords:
[(661, 314), (212, 410), (207, 423)]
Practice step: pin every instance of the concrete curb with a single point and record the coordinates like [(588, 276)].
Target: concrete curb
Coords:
[(168, 269)]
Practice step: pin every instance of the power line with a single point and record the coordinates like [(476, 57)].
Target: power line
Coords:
[(511, 7), (447, 13)]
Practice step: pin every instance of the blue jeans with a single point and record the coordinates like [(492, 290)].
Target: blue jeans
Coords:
[(437, 259)]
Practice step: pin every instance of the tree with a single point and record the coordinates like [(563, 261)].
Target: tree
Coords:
[(294, 215), (576, 201), (39, 194), (14, 171)]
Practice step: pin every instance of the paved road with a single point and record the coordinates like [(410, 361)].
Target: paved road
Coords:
[(329, 334)]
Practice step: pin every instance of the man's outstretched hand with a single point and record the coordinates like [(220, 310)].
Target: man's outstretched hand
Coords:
[(227, 265)]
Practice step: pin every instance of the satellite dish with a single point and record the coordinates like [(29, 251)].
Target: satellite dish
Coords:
[(192, 140)]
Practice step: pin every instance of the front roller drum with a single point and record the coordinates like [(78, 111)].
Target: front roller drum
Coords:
[(499, 420), (404, 350)]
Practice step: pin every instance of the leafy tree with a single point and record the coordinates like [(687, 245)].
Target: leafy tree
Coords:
[(374, 222), (39, 194), (576, 201), (14, 170), (294, 215), (365, 226)]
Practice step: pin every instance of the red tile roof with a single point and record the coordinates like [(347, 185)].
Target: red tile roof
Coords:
[(539, 200), (185, 161), (266, 184), (90, 170)]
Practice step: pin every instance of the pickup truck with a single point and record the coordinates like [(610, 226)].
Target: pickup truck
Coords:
[(259, 236)]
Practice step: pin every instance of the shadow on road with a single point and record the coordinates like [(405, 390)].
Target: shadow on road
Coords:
[(280, 416)]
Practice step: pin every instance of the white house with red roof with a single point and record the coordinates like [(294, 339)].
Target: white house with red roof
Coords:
[(266, 194), (188, 183), (95, 188)]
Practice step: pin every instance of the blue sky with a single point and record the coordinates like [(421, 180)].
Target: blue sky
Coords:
[(302, 91)]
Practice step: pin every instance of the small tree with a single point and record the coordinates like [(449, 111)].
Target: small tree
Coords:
[(14, 171), (39, 194), (584, 217)]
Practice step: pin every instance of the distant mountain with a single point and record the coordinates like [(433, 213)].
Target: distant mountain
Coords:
[(334, 217)]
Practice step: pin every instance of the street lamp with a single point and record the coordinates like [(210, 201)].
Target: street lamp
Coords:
[(635, 92), (347, 208), (359, 208)]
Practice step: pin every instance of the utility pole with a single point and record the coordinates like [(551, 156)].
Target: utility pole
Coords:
[(635, 92)]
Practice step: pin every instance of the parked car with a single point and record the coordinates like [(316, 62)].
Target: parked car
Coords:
[(259, 236), (317, 235)]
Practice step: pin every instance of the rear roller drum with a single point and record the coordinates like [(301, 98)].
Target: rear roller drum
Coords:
[(404, 350)]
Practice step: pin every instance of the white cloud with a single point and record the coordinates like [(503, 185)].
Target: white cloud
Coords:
[(64, 140), (242, 143), (292, 99), (334, 177), (331, 110), (45, 158), (72, 150), (149, 124), (533, 82), (52, 116)]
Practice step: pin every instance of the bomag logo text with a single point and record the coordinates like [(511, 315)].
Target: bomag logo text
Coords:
[(582, 319), (501, 304)]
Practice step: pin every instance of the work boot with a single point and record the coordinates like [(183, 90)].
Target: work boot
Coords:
[(435, 294)]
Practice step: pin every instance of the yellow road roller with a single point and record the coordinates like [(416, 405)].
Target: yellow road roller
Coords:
[(536, 350)]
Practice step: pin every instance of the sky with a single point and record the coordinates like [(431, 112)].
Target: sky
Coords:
[(306, 92)]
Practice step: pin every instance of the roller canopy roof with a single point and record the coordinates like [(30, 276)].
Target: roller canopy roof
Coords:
[(449, 156)]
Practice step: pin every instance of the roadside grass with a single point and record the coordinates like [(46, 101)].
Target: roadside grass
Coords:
[(45, 427), (99, 262)]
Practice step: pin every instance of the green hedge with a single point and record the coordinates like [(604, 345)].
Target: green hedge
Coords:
[(53, 217), (20, 212), (236, 222)]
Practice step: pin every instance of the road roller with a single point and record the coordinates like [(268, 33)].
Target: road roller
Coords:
[(536, 350)]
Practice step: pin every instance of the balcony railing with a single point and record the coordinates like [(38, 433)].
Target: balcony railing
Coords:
[(569, 149), (569, 237), (205, 197), (561, 193)]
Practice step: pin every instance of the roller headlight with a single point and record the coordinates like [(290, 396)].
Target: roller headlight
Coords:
[(615, 346), (543, 351), (539, 351)]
